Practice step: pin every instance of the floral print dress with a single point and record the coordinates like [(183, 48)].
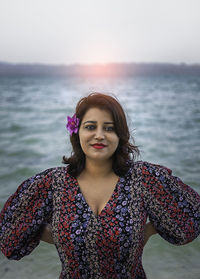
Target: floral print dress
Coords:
[(109, 245)]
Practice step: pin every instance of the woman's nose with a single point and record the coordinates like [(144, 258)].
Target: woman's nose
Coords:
[(99, 134)]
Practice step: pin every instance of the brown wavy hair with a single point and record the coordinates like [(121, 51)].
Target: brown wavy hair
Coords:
[(125, 150)]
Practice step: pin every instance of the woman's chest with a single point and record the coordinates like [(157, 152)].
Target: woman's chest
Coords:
[(98, 194), (122, 218)]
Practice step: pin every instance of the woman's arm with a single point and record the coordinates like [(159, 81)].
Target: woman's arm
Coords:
[(148, 232), (24, 214), (172, 206), (47, 234)]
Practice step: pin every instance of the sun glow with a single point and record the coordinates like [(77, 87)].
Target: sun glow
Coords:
[(99, 70), (98, 60)]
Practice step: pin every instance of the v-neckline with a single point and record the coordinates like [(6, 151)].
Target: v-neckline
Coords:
[(107, 203)]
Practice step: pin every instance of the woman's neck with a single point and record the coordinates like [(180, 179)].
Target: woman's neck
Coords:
[(98, 169)]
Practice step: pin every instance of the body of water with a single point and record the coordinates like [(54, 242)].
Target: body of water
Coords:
[(164, 119)]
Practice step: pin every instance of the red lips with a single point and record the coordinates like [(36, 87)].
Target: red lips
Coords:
[(98, 145)]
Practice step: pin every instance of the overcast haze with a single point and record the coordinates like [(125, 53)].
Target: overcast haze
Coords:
[(90, 31)]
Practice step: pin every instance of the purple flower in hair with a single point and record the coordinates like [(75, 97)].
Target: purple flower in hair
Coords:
[(72, 124)]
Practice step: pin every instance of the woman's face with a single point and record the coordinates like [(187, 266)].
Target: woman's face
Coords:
[(97, 135)]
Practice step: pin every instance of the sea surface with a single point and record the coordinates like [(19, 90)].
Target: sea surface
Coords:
[(164, 118)]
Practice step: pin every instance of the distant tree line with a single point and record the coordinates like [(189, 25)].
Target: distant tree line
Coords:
[(111, 69)]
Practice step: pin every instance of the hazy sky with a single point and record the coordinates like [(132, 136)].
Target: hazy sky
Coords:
[(90, 31)]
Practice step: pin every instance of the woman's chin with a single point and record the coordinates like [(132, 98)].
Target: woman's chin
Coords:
[(99, 158)]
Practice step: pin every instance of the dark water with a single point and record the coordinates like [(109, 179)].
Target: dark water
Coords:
[(164, 118)]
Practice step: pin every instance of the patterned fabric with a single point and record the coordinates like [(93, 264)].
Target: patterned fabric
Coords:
[(109, 245)]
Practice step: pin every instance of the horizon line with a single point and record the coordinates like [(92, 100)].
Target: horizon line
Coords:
[(98, 63)]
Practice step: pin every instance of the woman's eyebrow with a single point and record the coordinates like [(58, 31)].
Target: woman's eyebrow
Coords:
[(90, 121)]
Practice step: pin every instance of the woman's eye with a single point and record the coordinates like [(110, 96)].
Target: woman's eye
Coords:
[(93, 127), (90, 127), (109, 128)]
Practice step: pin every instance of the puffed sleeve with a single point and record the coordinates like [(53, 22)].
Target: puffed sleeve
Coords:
[(172, 206), (24, 214)]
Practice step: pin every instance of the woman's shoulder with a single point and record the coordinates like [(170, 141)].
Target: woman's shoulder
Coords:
[(43, 178), (53, 171), (146, 164), (148, 168)]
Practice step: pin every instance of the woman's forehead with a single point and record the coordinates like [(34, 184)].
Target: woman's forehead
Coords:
[(96, 114)]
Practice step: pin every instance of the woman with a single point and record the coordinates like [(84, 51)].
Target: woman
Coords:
[(97, 206)]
